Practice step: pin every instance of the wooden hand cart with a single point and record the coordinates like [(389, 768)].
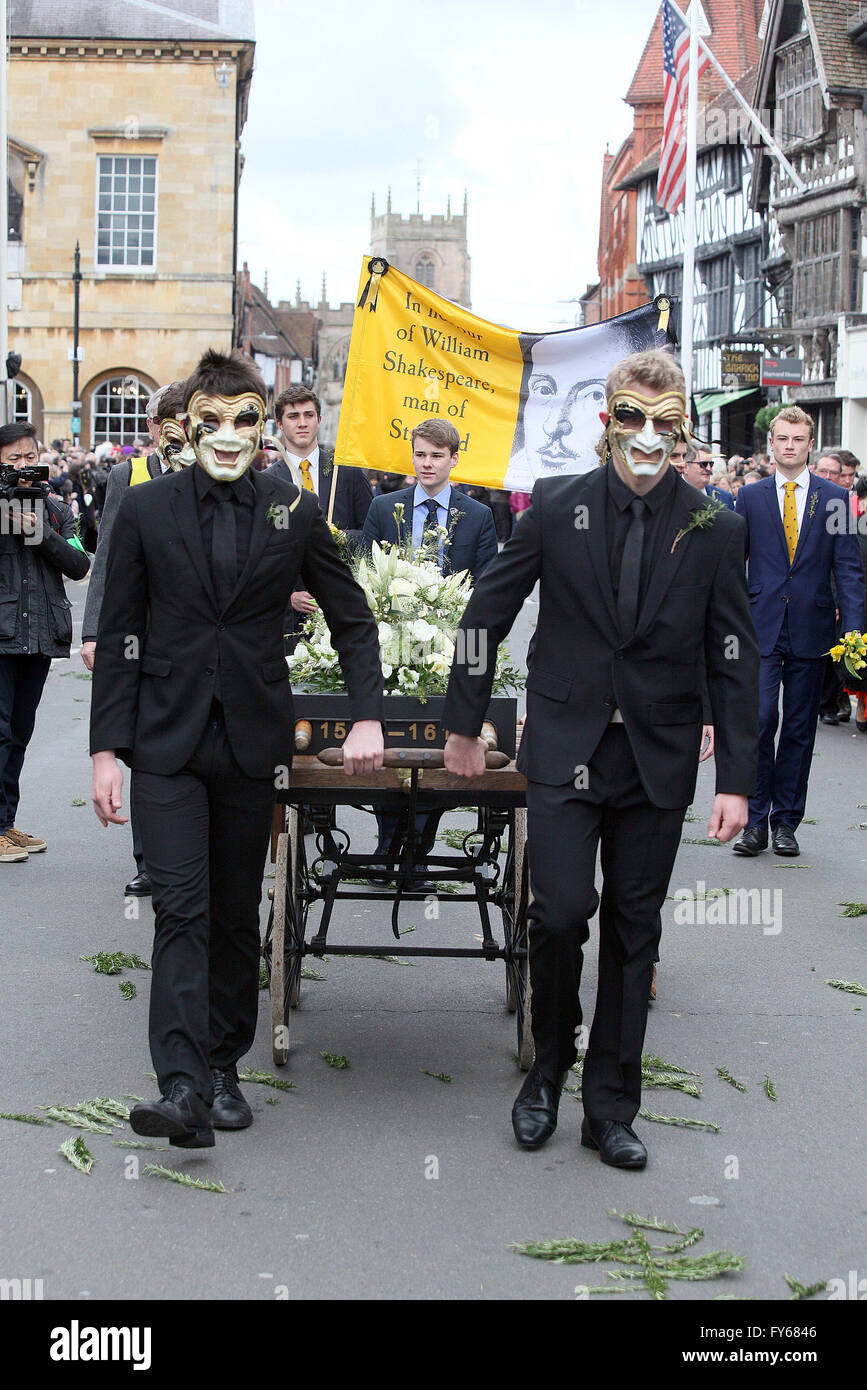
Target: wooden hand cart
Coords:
[(491, 868)]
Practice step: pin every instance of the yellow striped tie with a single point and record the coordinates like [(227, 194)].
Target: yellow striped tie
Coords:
[(305, 474), (790, 520)]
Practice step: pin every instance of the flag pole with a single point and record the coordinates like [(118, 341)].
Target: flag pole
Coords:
[(761, 130), (687, 327)]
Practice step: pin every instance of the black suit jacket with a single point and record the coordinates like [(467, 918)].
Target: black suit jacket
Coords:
[(351, 500), (474, 537), (118, 481), (161, 632), (696, 602)]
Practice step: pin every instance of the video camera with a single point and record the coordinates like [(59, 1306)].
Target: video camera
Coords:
[(28, 482)]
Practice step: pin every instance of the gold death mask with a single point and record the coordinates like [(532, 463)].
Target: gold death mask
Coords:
[(174, 448), (226, 432), (643, 430)]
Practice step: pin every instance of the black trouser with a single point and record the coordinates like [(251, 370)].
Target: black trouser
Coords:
[(22, 680), (137, 851), (639, 843), (205, 832), (833, 694)]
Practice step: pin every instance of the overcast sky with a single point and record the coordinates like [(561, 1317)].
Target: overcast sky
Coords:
[(513, 103)]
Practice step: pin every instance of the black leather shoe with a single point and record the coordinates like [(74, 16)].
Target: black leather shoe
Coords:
[(844, 713), (828, 719), (617, 1143), (534, 1114), (785, 842), (229, 1109), (139, 887), (180, 1116), (753, 841)]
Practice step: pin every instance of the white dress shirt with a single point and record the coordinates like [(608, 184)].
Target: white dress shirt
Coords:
[(420, 513), (802, 487), (313, 459)]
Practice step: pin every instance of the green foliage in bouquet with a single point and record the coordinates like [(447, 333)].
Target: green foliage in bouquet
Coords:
[(417, 611)]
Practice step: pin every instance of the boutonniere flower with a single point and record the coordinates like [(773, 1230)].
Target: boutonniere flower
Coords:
[(814, 502), (700, 520), (277, 517), (326, 464)]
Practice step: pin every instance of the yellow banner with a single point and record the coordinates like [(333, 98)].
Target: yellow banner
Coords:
[(524, 405)]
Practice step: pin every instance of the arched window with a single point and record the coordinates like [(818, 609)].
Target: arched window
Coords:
[(119, 411), (424, 270), (22, 410), (339, 359)]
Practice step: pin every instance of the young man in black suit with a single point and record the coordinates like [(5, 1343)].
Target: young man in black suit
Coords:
[(298, 413), (632, 592), (191, 689)]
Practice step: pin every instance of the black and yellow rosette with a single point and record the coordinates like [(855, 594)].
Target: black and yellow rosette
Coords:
[(377, 266)]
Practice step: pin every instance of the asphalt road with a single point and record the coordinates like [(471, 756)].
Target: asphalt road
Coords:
[(381, 1181)]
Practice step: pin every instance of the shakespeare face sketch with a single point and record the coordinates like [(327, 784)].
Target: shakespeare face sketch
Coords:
[(562, 394)]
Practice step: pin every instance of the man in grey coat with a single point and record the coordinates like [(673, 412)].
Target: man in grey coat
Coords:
[(164, 404)]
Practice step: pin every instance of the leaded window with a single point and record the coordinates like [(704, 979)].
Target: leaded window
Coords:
[(126, 211), (817, 266), (424, 270), (800, 110)]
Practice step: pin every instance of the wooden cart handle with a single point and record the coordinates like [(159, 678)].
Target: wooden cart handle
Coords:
[(410, 757)]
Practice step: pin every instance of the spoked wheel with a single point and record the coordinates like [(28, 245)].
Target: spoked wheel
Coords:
[(518, 993), (284, 939), (512, 896)]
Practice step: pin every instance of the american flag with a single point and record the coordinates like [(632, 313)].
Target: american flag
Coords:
[(671, 184)]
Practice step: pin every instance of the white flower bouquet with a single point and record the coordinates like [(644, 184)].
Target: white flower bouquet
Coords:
[(417, 611)]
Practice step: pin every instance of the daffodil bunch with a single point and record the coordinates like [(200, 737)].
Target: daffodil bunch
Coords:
[(417, 611), (852, 651)]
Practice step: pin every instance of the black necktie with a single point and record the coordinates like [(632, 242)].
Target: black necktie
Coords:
[(224, 544), (630, 571), (429, 530)]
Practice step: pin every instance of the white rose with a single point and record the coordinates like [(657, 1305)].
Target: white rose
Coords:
[(300, 654), (401, 588), (422, 631)]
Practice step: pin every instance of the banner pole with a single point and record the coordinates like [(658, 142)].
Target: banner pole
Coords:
[(334, 469), (687, 327)]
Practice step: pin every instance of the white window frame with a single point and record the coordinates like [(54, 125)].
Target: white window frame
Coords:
[(125, 269), (16, 418), (100, 386)]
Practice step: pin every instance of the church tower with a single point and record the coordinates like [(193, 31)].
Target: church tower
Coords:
[(433, 250)]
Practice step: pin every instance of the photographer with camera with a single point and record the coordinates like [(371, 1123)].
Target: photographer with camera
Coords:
[(38, 546)]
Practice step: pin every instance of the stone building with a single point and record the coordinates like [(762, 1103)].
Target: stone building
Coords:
[(432, 250), (812, 80), (124, 130), (730, 28)]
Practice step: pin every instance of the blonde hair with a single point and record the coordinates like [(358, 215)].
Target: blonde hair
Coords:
[(793, 415), (654, 368)]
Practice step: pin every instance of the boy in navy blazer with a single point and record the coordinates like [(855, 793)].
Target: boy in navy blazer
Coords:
[(473, 539), (798, 535)]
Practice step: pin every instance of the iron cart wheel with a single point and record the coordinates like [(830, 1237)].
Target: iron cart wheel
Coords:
[(284, 940), (515, 902)]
